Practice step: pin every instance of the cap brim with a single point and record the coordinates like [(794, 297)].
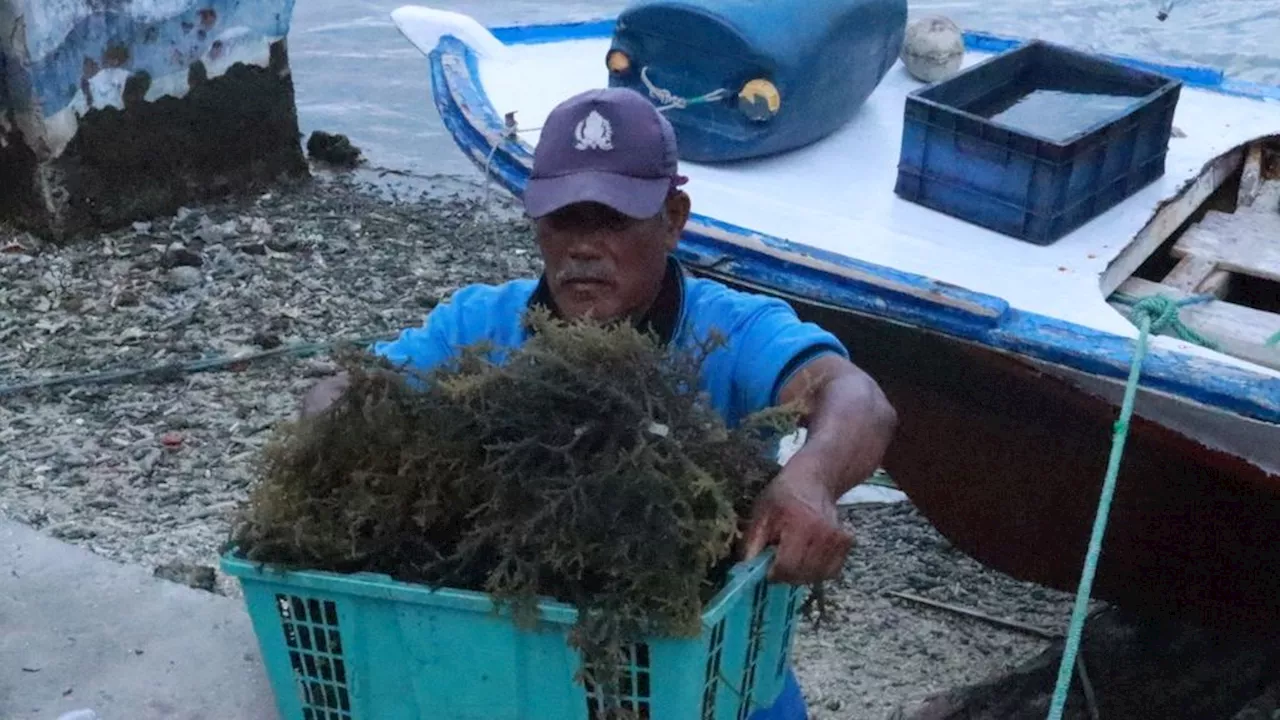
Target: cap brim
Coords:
[(639, 198)]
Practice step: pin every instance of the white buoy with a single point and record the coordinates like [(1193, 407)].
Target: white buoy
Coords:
[(933, 49)]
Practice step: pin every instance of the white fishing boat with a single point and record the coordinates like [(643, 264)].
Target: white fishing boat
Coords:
[(1007, 359)]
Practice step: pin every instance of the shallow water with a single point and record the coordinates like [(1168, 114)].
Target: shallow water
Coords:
[(1059, 114), (355, 74)]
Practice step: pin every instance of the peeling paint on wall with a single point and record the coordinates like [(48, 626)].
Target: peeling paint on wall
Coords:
[(159, 46), (49, 22), (79, 55), (120, 109)]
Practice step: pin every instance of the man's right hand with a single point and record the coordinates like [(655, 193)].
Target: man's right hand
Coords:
[(323, 394)]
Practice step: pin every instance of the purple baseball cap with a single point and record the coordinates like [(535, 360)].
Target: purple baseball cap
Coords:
[(608, 145)]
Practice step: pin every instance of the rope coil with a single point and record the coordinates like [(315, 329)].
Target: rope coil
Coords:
[(672, 101), (1161, 312)]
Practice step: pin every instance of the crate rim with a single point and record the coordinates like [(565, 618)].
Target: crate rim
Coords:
[(1169, 85), (384, 587)]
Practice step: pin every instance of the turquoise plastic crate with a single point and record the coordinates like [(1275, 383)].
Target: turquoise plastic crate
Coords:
[(366, 647)]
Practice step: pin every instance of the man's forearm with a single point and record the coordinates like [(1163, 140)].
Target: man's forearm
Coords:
[(850, 429), (849, 424)]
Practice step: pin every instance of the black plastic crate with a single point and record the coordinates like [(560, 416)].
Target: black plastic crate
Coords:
[(1036, 141)]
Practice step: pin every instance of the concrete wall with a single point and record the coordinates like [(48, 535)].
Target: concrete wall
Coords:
[(128, 108)]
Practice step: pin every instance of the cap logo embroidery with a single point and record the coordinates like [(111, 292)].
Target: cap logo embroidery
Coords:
[(594, 133)]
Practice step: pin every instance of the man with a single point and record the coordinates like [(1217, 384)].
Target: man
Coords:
[(604, 193)]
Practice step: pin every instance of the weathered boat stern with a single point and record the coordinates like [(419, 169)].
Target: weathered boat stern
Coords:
[(115, 110)]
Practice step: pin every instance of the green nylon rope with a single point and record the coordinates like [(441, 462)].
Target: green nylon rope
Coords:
[(1167, 317), (1152, 315), (1163, 313)]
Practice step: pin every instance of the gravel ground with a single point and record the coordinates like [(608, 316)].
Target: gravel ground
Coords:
[(874, 654), (147, 469)]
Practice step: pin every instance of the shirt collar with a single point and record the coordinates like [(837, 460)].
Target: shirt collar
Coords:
[(662, 318)]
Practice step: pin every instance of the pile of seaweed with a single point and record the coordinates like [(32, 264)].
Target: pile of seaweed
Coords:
[(584, 466)]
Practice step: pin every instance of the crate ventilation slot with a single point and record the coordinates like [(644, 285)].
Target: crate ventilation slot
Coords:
[(758, 602), (314, 642), (634, 691)]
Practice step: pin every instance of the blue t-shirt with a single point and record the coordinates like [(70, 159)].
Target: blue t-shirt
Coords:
[(765, 343)]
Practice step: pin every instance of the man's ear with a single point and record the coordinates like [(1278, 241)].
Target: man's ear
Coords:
[(678, 208)]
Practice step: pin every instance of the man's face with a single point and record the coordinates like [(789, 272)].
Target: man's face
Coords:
[(605, 265)]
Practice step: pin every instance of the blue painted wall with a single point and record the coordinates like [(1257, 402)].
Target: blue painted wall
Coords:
[(71, 41)]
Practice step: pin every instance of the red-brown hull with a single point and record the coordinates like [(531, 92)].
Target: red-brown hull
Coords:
[(1008, 463), (1010, 469)]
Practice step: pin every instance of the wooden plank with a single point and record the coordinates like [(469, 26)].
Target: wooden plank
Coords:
[(1248, 244), (1171, 216), (1198, 275), (1268, 199), (1250, 176), (1240, 331), (1190, 272), (1217, 284)]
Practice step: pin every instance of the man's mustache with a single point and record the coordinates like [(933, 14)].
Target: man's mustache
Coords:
[(577, 271)]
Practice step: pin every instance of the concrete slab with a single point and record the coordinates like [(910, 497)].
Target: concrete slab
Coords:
[(79, 631)]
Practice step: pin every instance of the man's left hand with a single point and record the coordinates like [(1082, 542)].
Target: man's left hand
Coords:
[(797, 512)]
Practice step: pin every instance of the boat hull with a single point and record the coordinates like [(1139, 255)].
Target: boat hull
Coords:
[(1007, 460), (1008, 465)]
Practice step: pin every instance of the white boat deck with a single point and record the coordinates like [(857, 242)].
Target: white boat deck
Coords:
[(837, 194)]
